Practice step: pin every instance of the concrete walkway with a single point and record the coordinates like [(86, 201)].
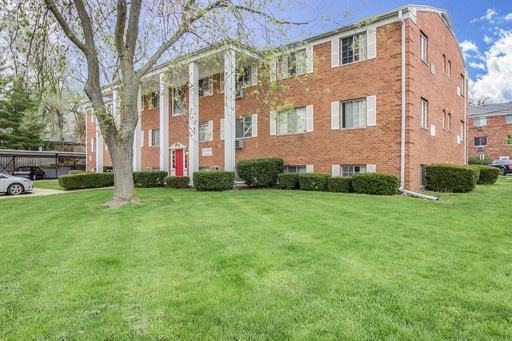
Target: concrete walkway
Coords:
[(36, 192)]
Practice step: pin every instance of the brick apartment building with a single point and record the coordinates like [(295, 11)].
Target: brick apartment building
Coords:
[(387, 96), (490, 131)]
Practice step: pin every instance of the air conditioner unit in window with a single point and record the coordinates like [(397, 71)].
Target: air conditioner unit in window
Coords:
[(239, 144), (480, 148), (479, 128)]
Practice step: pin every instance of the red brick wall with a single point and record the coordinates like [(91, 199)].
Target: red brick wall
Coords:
[(496, 132)]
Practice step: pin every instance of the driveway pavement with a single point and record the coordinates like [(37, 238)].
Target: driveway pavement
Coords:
[(34, 193)]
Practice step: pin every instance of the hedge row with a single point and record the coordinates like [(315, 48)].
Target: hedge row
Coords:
[(86, 180), (214, 181), (148, 179), (451, 178), (260, 172), (177, 181), (368, 183), (487, 175)]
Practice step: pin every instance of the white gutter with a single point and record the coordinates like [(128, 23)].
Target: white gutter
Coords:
[(403, 130)]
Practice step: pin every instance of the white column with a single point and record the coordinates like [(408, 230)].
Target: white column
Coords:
[(193, 120), (164, 124), (99, 150), (229, 110), (116, 107), (137, 152)]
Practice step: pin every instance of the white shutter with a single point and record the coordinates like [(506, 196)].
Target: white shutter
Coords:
[(273, 123), (432, 130), (309, 59), (458, 91), (371, 168), (335, 52), (335, 115), (222, 129), (254, 122), (142, 138), (458, 139), (309, 168), (283, 67), (273, 70), (371, 41), (210, 130), (210, 85), (371, 111), (309, 118), (254, 76), (92, 145), (150, 137), (335, 170)]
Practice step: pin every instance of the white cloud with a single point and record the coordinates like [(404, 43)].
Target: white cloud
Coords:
[(476, 65), (489, 15), (468, 47), (496, 84), (508, 17), (488, 39)]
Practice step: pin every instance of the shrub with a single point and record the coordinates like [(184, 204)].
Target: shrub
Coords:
[(313, 181), (214, 181), (177, 181), (86, 180), (289, 180), (375, 183), (451, 178), (486, 175), (149, 178), (260, 172), (475, 160), (341, 184)]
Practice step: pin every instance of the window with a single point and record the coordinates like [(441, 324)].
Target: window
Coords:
[(244, 77), (349, 170), (353, 49), (450, 68), (295, 169), (445, 120), (479, 121), (178, 101), (509, 139), (155, 137), (449, 124), (292, 64), (205, 86), (423, 47), (462, 131), (353, 114), (291, 121), (205, 131), (509, 119), (423, 175), (423, 113), (243, 127), (480, 141), (93, 145), (154, 100), (462, 86), (444, 64)]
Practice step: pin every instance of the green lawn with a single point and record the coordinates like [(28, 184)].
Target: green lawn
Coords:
[(257, 264), (48, 184)]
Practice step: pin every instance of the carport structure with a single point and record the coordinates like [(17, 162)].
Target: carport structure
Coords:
[(8, 157)]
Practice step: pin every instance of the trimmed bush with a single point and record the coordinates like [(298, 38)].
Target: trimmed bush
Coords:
[(149, 178), (214, 181), (375, 183), (341, 184), (451, 178), (475, 160), (177, 181), (260, 172), (289, 180), (487, 175), (86, 180), (313, 181)]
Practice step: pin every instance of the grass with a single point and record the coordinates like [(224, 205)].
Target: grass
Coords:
[(257, 264), (48, 184)]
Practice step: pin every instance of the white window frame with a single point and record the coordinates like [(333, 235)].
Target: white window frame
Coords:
[(480, 139), (349, 170), (289, 119), (358, 119), (356, 46), (424, 47), (178, 97), (247, 128), (479, 121), (205, 132), (293, 64), (154, 100), (508, 119), (155, 137), (423, 113), (295, 169), (205, 86)]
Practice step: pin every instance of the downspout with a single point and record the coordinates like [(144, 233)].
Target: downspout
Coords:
[(465, 118), (403, 130)]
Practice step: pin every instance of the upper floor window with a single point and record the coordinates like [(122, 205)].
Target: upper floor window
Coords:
[(423, 113), (178, 101), (353, 49), (154, 100), (292, 64), (291, 121), (445, 120), (450, 68), (353, 114), (244, 127), (206, 86), (244, 77), (444, 64), (480, 141), (462, 86), (155, 137), (205, 131), (479, 121), (449, 123), (509, 119), (423, 47)]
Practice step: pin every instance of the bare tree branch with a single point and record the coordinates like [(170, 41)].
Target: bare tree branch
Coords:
[(65, 27)]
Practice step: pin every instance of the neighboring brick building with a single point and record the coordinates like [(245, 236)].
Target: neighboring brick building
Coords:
[(331, 104), (490, 131)]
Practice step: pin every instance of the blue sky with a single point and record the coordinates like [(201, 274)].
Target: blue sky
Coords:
[(483, 29)]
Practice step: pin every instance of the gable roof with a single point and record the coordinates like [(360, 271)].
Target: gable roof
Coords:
[(490, 110)]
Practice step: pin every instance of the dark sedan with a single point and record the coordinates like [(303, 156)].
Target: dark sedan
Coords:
[(505, 166), (31, 172)]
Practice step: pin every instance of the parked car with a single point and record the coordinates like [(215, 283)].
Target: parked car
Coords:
[(76, 169), (14, 185), (505, 166), (31, 172)]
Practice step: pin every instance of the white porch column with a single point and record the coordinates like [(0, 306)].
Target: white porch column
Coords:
[(99, 150), (164, 124), (116, 108), (229, 110), (137, 143), (193, 120)]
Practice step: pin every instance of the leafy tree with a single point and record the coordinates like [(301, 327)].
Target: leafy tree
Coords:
[(20, 124)]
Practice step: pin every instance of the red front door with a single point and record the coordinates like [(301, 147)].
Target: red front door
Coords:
[(179, 162)]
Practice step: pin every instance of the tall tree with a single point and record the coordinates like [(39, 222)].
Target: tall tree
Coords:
[(131, 36)]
